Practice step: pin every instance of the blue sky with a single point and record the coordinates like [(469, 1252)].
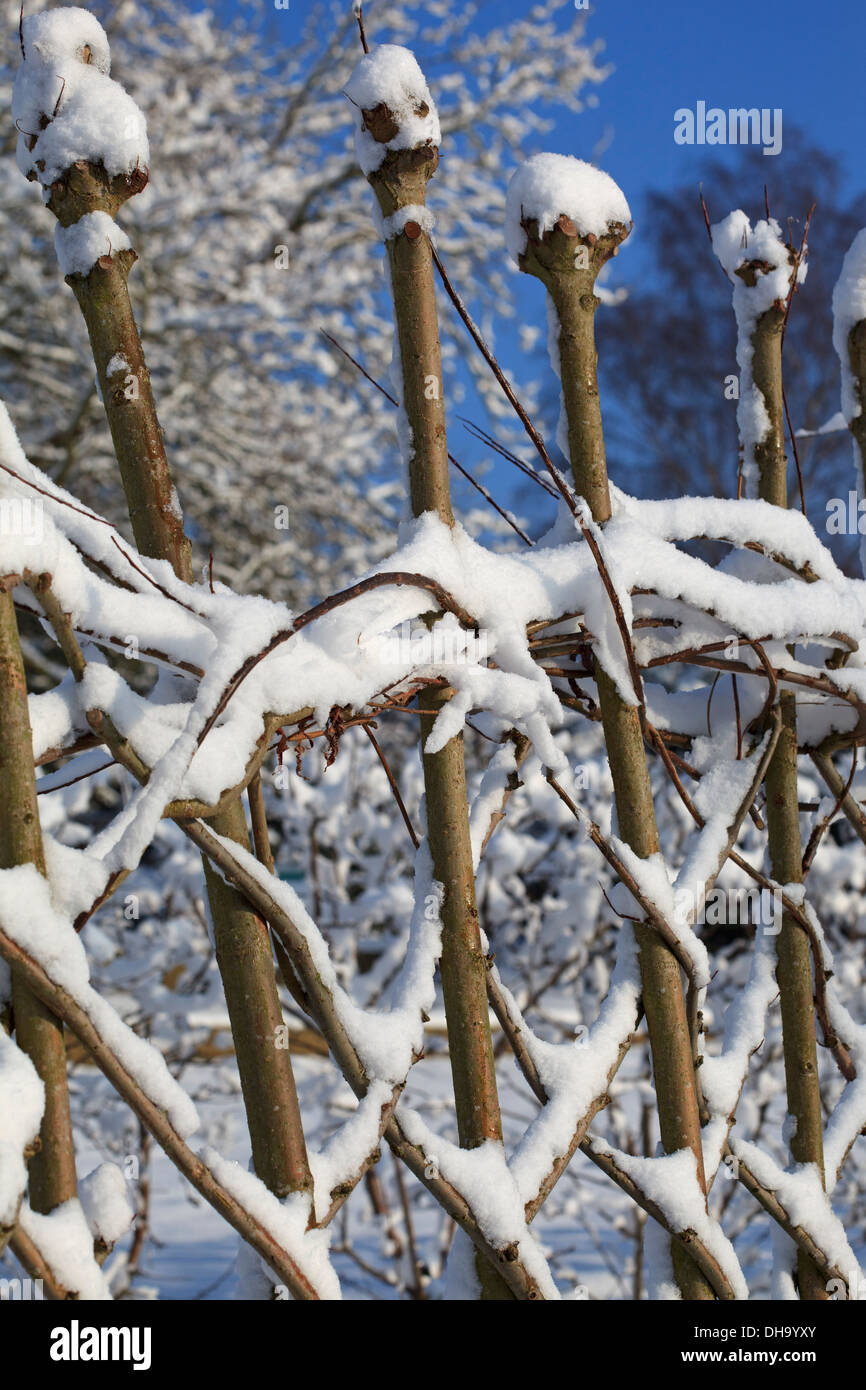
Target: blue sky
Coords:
[(804, 57)]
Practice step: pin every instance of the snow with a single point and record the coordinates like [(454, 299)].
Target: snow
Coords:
[(550, 186), (652, 880), (848, 1119), (64, 1239), (737, 243), (390, 76), (344, 1153), (662, 1286), (412, 212), (60, 35), (784, 1288), (574, 1077), (722, 1077), (801, 1193), (86, 116), (502, 766), (386, 1038), (849, 309), (29, 917), (75, 877), (22, 1097), (70, 529), (347, 657), (671, 1181), (835, 423), (599, 613), (737, 522), (55, 717), (81, 245), (285, 1220), (482, 1175), (69, 103), (105, 1202), (719, 798), (462, 1284)]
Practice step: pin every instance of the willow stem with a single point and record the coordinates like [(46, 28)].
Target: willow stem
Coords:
[(569, 278), (794, 958), (241, 938), (38, 1031), (400, 181)]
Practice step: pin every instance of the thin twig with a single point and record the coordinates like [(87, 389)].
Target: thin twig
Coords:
[(405, 1207), (392, 783), (359, 15), (150, 579), (479, 487), (737, 715), (484, 438), (824, 824), (706, 212), (796, 452)]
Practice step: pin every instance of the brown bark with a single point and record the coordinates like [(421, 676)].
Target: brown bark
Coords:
[(767, 376), (463, 966), (103, 297)]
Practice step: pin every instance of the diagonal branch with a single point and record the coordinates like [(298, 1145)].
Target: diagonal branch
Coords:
[(247, 1225)]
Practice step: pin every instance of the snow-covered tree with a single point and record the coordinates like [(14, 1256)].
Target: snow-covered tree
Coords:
[(568, 893), (255, 234)]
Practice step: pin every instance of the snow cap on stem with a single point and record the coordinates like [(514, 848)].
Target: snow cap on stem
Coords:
[(104, 1198), (67, 108), (756, 258), (763, 271), (552, 190), (394, 108)]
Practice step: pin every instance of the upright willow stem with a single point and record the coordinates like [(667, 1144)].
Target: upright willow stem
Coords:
[(241, 937), (794, 962), (570, 281), (400, 182), (124, 380), (857, 425), (37, 1031), (849, 340)]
